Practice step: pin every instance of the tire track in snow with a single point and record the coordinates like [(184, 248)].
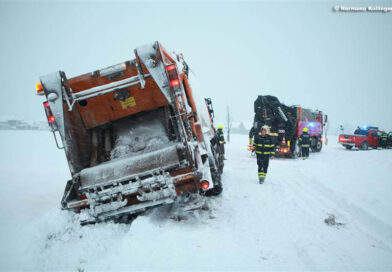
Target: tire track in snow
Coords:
[(349, 212), (296, 182), (314, 194)]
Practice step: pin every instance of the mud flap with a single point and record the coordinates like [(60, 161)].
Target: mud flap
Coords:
[(187, 206), (194, 202)]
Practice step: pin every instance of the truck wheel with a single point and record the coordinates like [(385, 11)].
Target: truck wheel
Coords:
[(365, 146), (318, 146), (218, 188), (348, 146)]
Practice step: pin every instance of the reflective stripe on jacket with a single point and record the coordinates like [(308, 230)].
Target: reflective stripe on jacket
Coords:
[(264, 145), (304, 140), (221, 136)]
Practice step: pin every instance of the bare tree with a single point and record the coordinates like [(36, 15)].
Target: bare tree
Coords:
[(229, 123)]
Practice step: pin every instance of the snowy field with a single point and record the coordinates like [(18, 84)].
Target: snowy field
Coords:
[(275, 226)]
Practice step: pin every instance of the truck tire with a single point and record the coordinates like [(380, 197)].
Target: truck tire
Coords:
[(218, 188), (348, 146), (318, 145), (365, 146)]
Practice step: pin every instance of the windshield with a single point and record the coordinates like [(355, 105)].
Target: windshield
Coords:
[(360, 132)]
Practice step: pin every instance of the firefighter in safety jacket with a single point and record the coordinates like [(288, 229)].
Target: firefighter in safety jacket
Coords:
[(221, 139), (252, 133), (383, 140), (264, 148), (304, 142)]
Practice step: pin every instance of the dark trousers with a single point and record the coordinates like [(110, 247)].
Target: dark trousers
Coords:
[(222, 147), (305, 152), (384, 144), (262, 163)]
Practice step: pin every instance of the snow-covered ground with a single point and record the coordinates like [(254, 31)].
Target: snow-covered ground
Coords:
[(277, 225)]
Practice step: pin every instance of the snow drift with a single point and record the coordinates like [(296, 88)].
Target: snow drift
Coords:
[(283, 224)]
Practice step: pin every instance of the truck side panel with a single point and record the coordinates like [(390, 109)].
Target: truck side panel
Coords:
[(104, 109)]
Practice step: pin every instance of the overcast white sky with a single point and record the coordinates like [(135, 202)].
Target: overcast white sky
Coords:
[(301, 52)]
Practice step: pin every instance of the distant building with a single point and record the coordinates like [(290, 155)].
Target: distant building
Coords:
[(14, 124), (239, 128)]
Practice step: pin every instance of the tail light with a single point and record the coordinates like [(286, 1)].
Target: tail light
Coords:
[(205, 184), (284, 150), (49, 115), (173, 76), (174, 83), (51, 119), (39, 88)]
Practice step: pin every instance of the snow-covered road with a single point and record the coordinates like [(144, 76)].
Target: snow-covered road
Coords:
[(277, 225)]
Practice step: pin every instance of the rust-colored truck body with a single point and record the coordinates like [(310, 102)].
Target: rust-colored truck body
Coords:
[(134, 135)]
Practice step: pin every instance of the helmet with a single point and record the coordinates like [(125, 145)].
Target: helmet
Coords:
[(305, 129), (265, 127), (220, 127)]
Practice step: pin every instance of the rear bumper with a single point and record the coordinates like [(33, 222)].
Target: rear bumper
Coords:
[(131, 195), (110, 202), (347, 143), (283, 150), (87, 218)]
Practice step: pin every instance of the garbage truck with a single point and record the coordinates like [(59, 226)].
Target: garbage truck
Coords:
[(286, 124), (136, 136)]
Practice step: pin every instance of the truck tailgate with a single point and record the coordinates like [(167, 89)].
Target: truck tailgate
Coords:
[(346, 138), (125, 166)]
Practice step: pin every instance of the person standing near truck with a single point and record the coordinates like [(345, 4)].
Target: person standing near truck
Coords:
[(221, 140), (342, 129), (265, 149), (252, 133), (383, 140), (304, 142)]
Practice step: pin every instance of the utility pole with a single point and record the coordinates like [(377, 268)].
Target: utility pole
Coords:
[(229, 122)]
